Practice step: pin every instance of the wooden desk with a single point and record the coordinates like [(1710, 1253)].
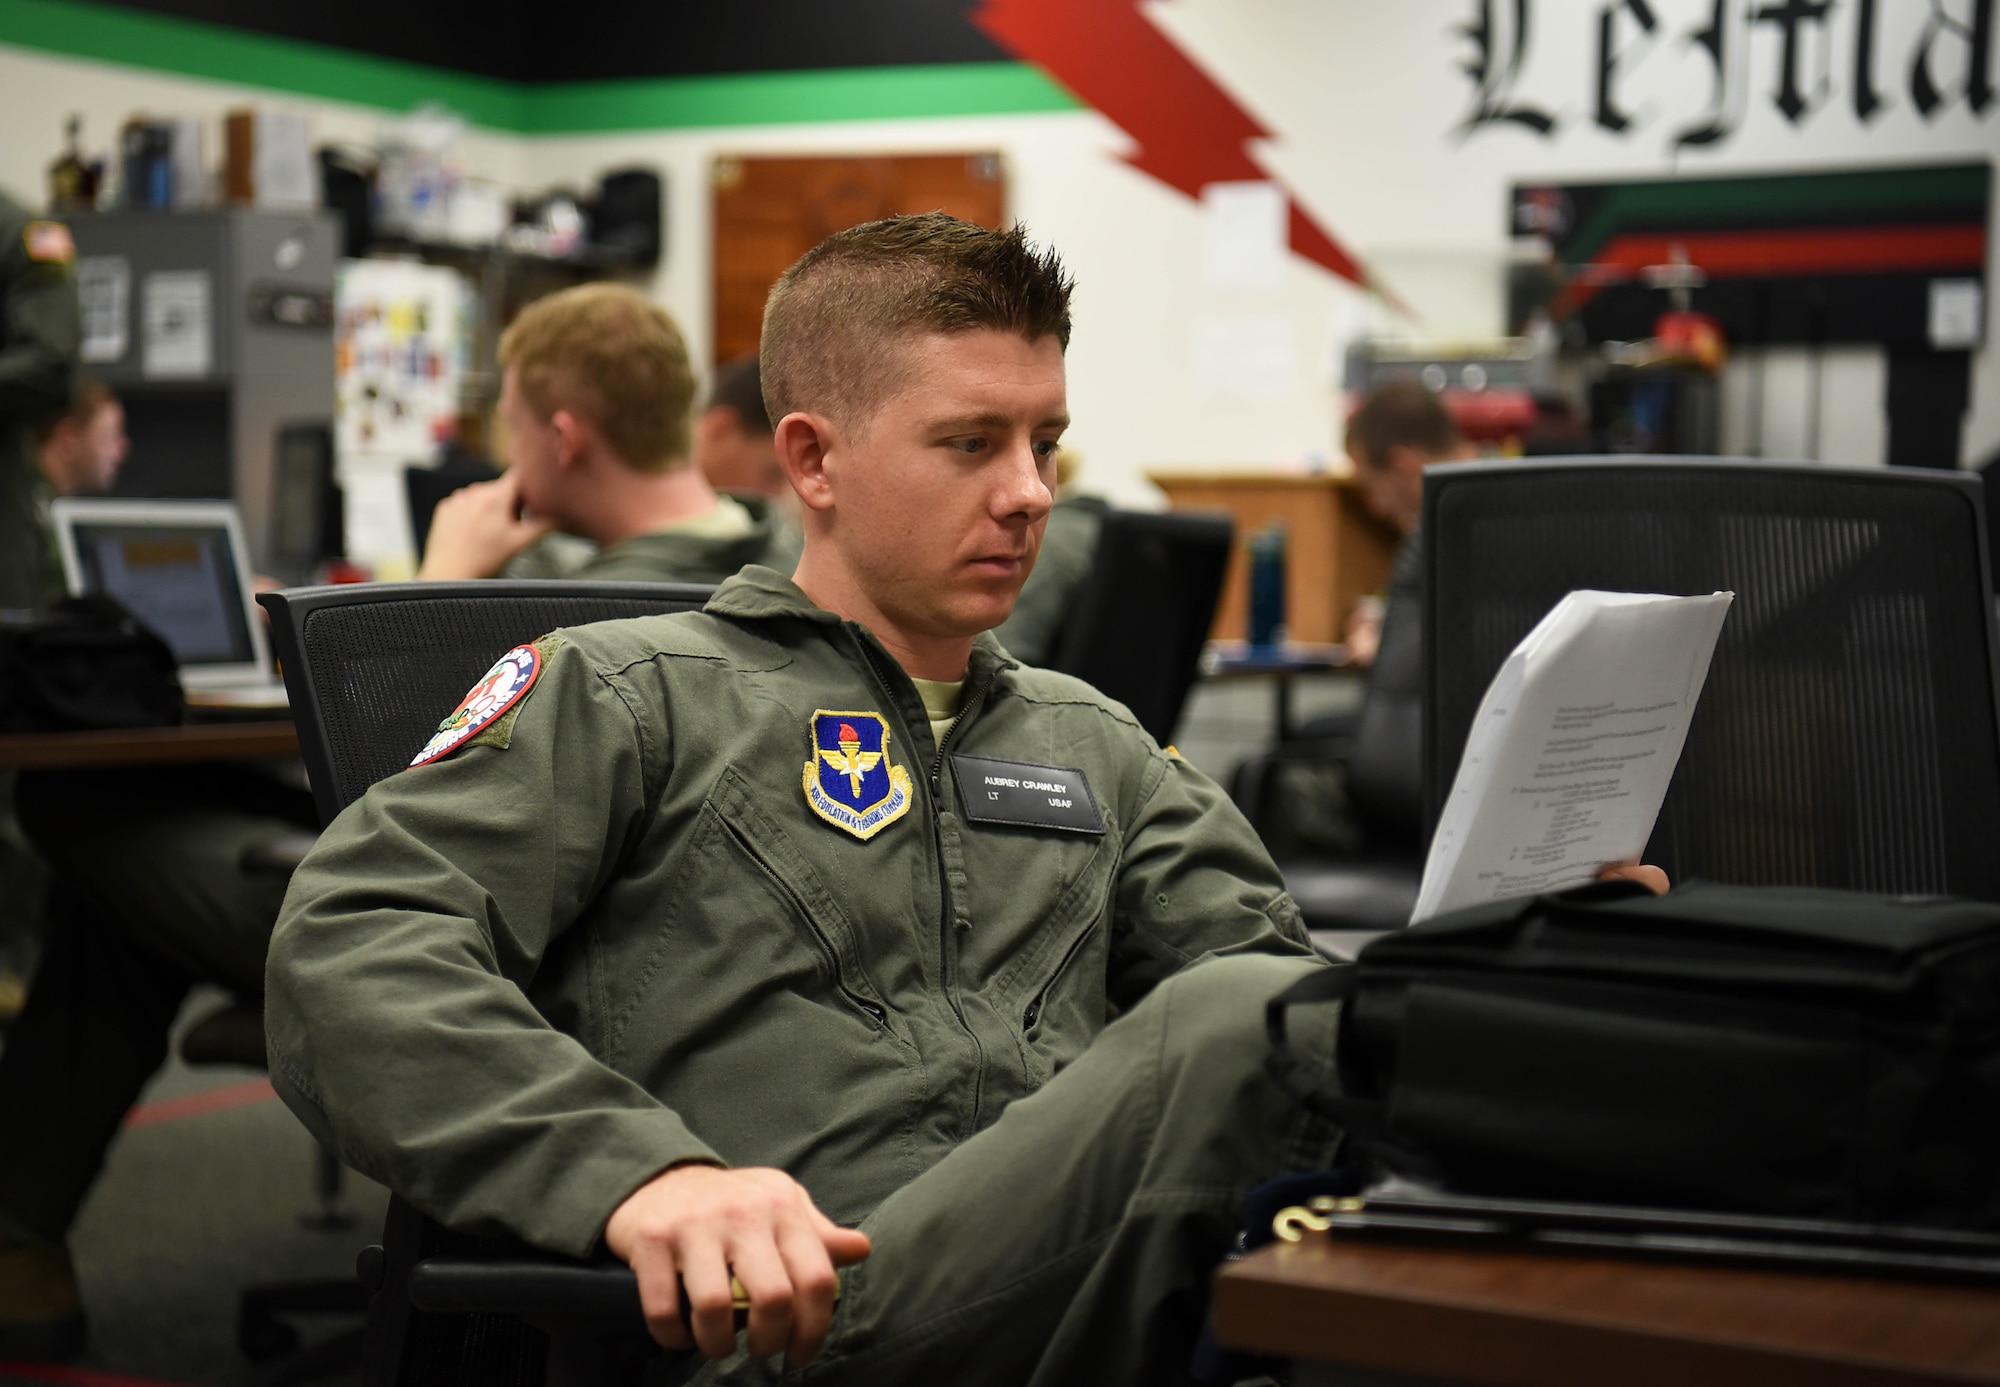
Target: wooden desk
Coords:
[(1570, 1321), (148, 746), (1336, 553)]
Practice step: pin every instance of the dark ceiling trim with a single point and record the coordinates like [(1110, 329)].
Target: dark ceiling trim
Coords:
[(190, 48)]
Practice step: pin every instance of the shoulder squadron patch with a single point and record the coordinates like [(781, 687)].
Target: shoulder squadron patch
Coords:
[(49, 242), (849, 781), (502, 687)]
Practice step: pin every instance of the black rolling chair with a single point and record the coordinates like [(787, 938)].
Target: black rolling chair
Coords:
[(1143, 614), (1848, 735), (370, 669)]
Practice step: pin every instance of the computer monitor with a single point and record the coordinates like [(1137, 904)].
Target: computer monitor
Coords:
[(180, 567)]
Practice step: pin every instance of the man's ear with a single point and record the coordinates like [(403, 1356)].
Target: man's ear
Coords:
[(803, 442), (574, 435)]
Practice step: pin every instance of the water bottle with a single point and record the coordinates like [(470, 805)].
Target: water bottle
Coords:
[(1267, 586)]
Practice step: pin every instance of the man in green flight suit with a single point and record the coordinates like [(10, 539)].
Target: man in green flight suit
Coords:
[(596, 401), (812, 930), (38, 353), (714, 933)]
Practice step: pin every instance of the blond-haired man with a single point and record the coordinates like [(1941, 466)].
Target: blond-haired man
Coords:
[(595, 405)]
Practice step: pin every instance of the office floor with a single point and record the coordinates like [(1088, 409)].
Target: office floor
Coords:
[(202, 1195)]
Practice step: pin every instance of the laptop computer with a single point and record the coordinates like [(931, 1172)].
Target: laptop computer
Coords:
[(182, 568)]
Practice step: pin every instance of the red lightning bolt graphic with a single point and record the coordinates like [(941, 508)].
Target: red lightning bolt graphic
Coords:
[(1190, 132)]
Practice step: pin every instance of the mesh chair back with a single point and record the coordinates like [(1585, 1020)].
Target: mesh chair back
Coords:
[(1847, 736), (1143, 614), (371, 668)]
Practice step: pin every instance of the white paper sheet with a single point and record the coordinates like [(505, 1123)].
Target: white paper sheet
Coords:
[(1246, 235), (178, 334), (103, 298), (1573, 747)]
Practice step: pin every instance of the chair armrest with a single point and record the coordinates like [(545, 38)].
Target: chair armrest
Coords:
[(527, 1286)]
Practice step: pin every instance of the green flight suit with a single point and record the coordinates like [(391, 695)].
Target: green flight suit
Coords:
[(39, 335), (686, 556), (617, 930)]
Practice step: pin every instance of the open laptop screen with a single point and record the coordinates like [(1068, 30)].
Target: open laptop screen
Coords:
[(181, 581), (175, 565)]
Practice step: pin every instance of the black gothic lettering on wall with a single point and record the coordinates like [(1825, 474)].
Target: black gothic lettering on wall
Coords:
[(1723, 38), (1495, 68), (1951, 61), (1611, 56), (1867, 100), (1975, 35), (1790, 17)]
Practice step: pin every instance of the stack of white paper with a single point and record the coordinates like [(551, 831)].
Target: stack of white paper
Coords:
[(1573, 748)]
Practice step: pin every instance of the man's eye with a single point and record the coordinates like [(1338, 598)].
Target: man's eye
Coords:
[(968, 445), (1045, 448)]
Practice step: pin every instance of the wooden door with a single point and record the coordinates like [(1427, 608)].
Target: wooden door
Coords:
[(769, 212)]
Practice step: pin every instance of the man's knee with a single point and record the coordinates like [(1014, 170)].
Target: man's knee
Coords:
[(1218, 1004)]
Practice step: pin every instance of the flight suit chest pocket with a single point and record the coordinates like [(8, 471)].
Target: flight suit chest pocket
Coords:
[(747, 828)]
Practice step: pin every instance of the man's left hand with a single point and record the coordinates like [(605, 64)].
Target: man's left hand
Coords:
[(477, 529), (1652, 878)]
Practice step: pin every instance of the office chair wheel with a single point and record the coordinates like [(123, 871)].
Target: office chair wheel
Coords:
[(262, 1339)]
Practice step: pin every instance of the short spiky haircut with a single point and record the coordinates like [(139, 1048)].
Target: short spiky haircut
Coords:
[(833, 319)]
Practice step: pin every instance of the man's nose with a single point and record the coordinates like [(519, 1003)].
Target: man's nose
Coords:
[(1022, 488)]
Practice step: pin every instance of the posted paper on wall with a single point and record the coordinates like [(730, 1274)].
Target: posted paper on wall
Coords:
[(1574, 745), (178, 332)]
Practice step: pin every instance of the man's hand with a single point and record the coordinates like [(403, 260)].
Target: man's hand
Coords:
[(1652, 878), (477, 528), (696, 1224)]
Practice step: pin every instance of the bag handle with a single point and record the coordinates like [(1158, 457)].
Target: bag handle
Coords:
[(1361, 1119)]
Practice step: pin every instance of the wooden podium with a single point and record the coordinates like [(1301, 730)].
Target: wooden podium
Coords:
[(1336, 553)]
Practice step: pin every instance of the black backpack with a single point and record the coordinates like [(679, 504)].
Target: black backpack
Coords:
[(1767, 1050), (85, 663)]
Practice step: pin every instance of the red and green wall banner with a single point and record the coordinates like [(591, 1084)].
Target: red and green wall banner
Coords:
[(1788, 258)]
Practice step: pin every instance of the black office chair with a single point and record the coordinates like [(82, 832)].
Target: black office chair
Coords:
[(1848, 735), (371, 668), (1143, 614)]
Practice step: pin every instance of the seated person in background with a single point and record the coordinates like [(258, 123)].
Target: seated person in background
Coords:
[(1033, 631), (595, 398), (1400, 429), (146, 897), (734, 450), (611, 976), (78, 453)]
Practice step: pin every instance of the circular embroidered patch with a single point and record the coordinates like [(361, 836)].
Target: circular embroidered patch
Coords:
[(500, 689)]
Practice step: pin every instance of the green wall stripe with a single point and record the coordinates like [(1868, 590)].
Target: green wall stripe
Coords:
[(192, 49), (790, 98), (1874, 195)]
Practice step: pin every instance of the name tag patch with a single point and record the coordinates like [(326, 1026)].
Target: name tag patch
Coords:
[(1024, 796)]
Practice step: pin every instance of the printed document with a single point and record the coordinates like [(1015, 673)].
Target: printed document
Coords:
[(1574, 745)]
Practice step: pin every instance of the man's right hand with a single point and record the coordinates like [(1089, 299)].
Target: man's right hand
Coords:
[(696, 1224), (477, 529)]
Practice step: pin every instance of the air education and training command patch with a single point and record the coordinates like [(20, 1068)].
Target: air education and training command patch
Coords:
[(502, 687), (849, 781)]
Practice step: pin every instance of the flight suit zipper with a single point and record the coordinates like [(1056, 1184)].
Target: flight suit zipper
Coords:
[(946, 972)]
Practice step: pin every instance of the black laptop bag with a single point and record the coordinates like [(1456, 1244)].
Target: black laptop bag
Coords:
[(85, 663), (1758, 1049)]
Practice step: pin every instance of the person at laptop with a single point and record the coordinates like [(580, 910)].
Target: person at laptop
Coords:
[(79, 454), (595, 404)]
